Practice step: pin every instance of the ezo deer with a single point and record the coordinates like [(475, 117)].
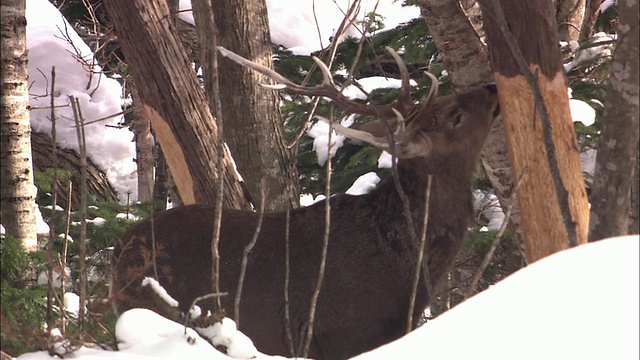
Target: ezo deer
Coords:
[(371, 257)]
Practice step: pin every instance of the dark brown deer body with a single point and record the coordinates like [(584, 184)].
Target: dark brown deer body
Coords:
[(371, 257)]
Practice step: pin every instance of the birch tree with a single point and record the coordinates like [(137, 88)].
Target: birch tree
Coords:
[(618, 142), (18, 206)]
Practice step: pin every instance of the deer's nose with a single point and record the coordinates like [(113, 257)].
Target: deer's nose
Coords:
[(492, 88)]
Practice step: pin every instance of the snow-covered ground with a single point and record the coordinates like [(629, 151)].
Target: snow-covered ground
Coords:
[(580, 304), (577, 304)]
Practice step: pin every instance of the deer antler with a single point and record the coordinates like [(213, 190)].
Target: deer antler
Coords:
[(404, 143), (328, 88)]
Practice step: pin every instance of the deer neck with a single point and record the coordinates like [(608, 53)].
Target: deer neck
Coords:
[(450, 189)]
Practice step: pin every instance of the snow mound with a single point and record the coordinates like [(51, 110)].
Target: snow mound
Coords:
[(578, 304)]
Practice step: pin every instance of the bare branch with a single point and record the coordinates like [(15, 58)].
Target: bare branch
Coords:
[(245, 253), (494, 244), (79, 120), (325, 246), (54, 187), (421, 263)]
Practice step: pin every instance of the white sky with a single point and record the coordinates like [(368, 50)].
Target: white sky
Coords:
[(587, 297)]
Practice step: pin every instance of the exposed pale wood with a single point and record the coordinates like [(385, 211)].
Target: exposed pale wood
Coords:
[(458, 33), (542, 222), (144, 148), (541, 139)]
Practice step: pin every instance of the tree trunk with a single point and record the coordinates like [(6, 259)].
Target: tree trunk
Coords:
[(569, 15), (253, 126), (540, 134), (467, 62), (17, 195), (618, 142), (173, 101), (634, 221), (98, 185), (144, 147), (592, 10)]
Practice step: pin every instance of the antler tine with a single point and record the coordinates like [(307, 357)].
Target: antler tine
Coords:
[(326, 89), (257, 67), (326, 73), (405, 91), (400, 117), (358, 134), (432, 91)]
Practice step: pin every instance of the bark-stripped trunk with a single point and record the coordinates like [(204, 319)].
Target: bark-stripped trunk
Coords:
[(17, 196), (173, 101), (618, 142), (253, 126), (467, 61), (144, 148), (552, 196)]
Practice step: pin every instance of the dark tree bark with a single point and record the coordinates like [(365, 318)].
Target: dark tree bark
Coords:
[(173, 101), (618, 142), (98, 185), (253, 127), (592, 10), (569, 15), (634, 221), (535, 110), (17, 196)]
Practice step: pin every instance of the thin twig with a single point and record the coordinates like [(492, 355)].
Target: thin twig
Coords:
[(421, 254), (287, 272), (65, 247), (54, 186), (314, 298), (325, 246), (217, 108), (245, 253), (123, 112), (346, 22), (494, 244), (406, 211), (79, 120), (197, 300), (562, 194)]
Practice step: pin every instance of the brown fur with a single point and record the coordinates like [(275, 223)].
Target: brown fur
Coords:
[(371, 258)]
